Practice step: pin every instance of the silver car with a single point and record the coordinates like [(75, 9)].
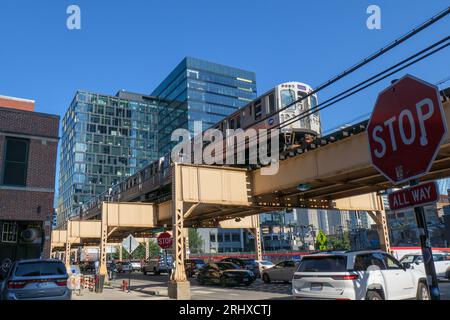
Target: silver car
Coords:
[(283, 271), (36, 280)]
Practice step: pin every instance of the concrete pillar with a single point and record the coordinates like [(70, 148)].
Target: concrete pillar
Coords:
[(179, 286)]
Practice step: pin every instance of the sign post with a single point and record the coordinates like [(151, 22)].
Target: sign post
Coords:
[(405, 132), (165, 241), (130, 244)]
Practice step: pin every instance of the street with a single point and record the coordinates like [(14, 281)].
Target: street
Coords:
[(151, 287)]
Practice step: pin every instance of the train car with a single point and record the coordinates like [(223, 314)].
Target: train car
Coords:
[(276, 108)]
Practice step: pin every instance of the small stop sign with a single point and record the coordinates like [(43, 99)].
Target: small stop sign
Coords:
[(406, 129), (165, 240)]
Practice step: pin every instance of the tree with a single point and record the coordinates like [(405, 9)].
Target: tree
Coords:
[(322, 241), (139, 253), (339, 242), (195, 241)]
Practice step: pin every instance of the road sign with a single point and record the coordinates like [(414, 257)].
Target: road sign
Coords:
[(165, 240), (406, 129), (130, 244), (415, 196)]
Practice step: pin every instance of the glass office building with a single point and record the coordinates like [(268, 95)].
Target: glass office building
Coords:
[(198, 90), (104, 139)]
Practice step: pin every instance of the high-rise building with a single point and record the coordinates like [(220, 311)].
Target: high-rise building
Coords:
[(104, 139), (199, 90)]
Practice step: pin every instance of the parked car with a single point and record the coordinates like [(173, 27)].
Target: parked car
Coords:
[(263, 265), (87, 266), (36, 280), (249, 264), (192, 266), (225, 274), (136, 266), (124, 266), (441, 263), (159, 264), (357, 275), (283, 271)]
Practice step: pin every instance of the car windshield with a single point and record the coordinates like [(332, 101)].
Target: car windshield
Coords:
[(250, 262), (323, 264), (407, 259), (227, 265), (41, 268)]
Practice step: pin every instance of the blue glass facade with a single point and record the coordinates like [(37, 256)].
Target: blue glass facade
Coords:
[(105, 138), (198, 90)]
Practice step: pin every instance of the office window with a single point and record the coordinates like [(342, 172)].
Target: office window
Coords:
[(236, 237), (9, 232), (16, 158), (212, 237)]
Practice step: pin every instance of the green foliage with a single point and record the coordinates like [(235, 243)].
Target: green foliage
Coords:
[(139, 253), (195, 241), (339, 242)]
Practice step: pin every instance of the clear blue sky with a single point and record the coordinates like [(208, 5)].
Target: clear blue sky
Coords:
[(134, 44)]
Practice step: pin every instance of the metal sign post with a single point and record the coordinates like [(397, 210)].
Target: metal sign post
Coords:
[(130, 244), (427, 252)]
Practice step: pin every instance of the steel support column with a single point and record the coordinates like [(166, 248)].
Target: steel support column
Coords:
[(383, 233), (258, 247), (67, 255), (103, 243), (147, 248), (179, 287)]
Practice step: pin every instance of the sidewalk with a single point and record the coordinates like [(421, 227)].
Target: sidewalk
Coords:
[(116, 294)]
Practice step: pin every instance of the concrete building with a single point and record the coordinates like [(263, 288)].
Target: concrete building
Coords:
[(28, 146)]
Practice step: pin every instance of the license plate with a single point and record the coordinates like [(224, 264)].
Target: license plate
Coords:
[(316, 286)]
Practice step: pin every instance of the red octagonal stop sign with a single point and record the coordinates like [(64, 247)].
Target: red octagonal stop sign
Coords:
[(406, 129), (165, 240)]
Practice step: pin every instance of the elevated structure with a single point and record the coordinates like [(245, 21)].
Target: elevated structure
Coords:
[(182, 195)]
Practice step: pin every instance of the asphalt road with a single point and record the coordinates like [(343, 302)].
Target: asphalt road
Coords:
[(157, 286)]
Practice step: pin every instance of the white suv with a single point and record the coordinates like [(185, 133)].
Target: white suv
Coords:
[(441, 263), (357, 275)]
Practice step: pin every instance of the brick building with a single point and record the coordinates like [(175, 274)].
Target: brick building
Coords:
[(28, 146)]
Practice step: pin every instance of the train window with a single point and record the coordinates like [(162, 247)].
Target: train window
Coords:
[(258, 111), (271, 103), (313, 102), (287, 97), (232, 121)]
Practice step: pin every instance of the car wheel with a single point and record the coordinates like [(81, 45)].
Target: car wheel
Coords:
[(373, 295), (266, 278), (144, 272), (200, 281), (223, 282), (448, 274), (156, 272), (422, 292)]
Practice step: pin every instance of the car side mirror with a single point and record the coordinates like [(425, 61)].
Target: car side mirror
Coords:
[(406, 265)]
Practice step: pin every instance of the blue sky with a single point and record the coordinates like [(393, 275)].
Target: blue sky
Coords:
[(134, 44)]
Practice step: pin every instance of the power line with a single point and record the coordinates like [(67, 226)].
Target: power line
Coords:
[(363, 62), (303, 115)]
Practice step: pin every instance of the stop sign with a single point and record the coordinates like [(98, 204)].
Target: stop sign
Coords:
[(406, 129), (165, 240)]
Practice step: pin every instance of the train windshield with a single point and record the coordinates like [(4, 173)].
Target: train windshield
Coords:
[(287, 97)]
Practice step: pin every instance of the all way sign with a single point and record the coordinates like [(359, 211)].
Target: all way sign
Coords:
[(415, 196)]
